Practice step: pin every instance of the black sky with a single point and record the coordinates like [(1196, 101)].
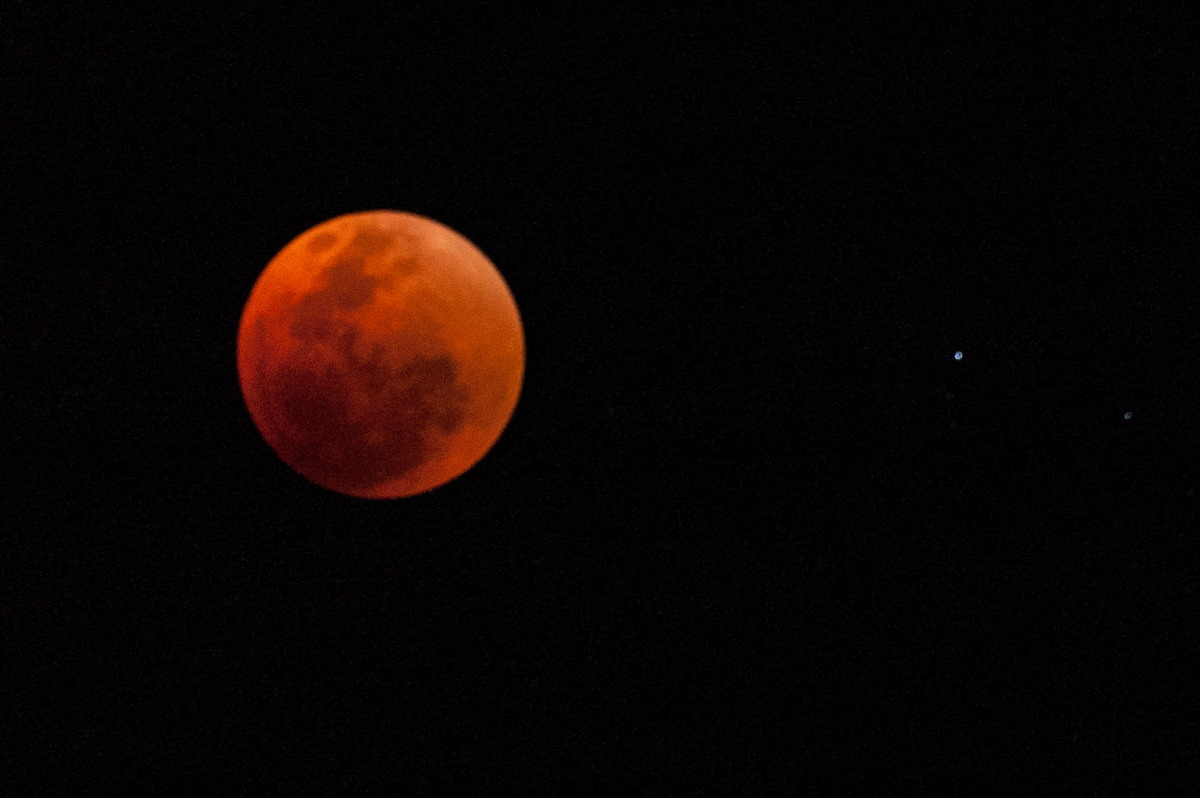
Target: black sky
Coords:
[(752, 527)]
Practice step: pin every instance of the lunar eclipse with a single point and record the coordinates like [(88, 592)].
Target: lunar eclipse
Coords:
[(380, 354)]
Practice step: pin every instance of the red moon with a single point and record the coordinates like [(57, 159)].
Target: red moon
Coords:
[(380, 354)]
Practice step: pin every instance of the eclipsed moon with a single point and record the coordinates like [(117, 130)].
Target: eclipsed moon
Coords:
[(380, 354)]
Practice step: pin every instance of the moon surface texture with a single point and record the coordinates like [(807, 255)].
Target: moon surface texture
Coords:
[(380, 354)]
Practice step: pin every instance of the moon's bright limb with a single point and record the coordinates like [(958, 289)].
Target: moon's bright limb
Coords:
[(381, 354)]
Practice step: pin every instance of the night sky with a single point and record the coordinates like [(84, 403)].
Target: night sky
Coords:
[(752, 528)]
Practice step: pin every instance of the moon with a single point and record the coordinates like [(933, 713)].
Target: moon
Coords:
[(380, 354)]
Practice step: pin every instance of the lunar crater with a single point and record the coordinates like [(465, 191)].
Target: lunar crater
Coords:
[(321, 242), (371, 240), (350, 285)]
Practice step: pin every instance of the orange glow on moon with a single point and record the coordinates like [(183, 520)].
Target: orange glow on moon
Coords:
[(380, 354)]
